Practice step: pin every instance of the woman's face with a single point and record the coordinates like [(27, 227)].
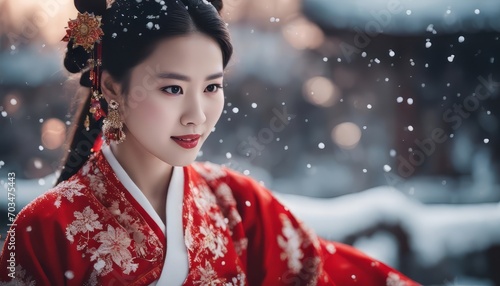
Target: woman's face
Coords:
[(176, 91)]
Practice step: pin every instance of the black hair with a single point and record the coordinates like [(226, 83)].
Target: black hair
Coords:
[(132, 28)]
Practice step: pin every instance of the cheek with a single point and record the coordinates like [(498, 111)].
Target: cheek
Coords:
[(150, 118), (215, 111), (148, 112)]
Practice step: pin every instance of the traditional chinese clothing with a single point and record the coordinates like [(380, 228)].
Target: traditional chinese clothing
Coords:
[(222, 228)]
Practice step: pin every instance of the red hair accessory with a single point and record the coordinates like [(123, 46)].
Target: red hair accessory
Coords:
[(85, 31)]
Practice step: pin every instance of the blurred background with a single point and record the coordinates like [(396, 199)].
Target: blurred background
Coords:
[(375, 121)]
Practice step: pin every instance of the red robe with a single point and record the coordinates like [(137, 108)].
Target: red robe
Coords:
[(89, 230)]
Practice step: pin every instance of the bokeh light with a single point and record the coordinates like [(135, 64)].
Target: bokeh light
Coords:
[(346, 135), (53, 133), (321, 91), (303, 34)]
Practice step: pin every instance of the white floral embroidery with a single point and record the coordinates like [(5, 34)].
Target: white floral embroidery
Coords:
[(140, 243), (188, 238), (233, 217), (68, 189), (290, 243), (132, 225), (394, 280), (313, 270), (209, 171), (85, 169), (92, 279), (86, 221), (225, 195), (239, 280), (208, 276), (215, 242), (114, 247), (21, 278), (310, 236), (240, 245), (331, 248), (123, 217), (96, 183), (218, 219), (204, 198)]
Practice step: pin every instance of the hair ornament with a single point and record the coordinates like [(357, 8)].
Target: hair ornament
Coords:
[(85, 31)]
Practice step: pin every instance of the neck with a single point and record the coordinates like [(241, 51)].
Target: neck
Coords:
[(150, 174)]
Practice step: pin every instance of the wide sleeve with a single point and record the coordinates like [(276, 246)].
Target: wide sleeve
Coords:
[(35, 251), (284, 251)]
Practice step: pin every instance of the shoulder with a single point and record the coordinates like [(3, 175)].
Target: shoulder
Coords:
[(216, 173), (245, 189), (53, 204)]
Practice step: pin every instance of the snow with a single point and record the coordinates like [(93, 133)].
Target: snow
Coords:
[(382, 246), (435, 231)]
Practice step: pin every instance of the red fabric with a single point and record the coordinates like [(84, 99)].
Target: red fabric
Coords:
[(98, 143), (90, 231)]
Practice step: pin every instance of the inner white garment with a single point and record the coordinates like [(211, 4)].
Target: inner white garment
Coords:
[(175, 268)]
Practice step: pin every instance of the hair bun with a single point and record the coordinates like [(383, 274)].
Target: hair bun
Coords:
[(85, 79), (76, 58), (217, 4), (91, 6)]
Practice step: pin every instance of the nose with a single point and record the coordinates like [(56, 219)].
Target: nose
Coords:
[(194, 110)]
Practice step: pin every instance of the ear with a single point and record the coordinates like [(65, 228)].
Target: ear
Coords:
[(110, 88)]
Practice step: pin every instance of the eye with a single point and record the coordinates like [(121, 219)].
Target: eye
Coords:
[(173, 89), (213, 87)]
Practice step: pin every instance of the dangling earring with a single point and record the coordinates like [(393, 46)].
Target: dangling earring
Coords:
[(112, 127)]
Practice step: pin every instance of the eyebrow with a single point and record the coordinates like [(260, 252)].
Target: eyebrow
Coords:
[(187, 78)]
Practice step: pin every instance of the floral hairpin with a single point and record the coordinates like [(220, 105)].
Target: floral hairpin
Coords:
[(85, 31)]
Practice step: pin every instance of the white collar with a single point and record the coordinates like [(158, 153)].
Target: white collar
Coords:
[(176, 184)]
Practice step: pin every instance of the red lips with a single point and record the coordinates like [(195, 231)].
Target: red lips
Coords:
[(187, 141)]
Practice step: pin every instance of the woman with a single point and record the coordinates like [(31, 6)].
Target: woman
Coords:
[(136, 209)]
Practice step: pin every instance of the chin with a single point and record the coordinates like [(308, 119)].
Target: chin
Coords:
[(181, 161)]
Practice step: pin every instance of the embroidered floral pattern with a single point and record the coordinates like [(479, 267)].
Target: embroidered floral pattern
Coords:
[(394, 280), (208, 276), (225, 195), (209, 171), (313, 270), (290, 243), (241, 245), (227, 203), (109, 246), (213, 240), (114, 244), (188, 238), (96, 183), (218, 220), (204, 199), (239, 280), (86, 221), (117, 241), (330, 248), (21, 278), (68, 189)]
